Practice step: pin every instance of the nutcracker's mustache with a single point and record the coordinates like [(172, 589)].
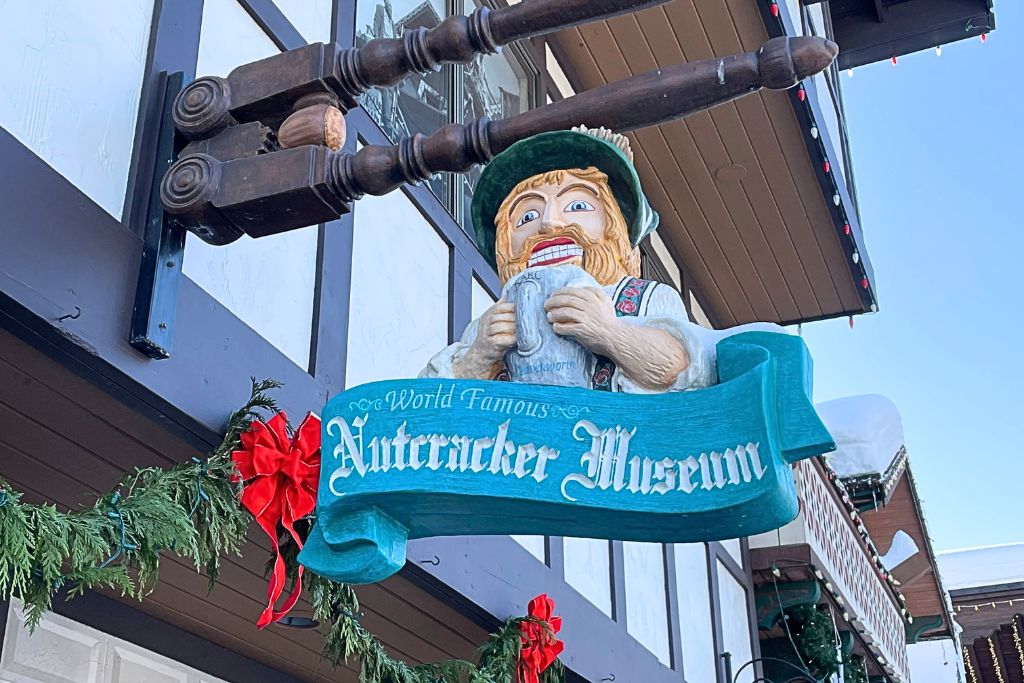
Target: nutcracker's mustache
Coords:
[(605, 259)]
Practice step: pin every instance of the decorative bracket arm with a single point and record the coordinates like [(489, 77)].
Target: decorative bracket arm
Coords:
[(287, 189), (267, 90)]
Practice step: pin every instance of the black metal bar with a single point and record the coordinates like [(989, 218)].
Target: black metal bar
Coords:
[(156, 297), (617, 562), (675, 628), (460, 294), (274, 23)]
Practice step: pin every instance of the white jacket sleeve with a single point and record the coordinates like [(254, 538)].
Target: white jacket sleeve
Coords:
[(441, 364), (665, 311)]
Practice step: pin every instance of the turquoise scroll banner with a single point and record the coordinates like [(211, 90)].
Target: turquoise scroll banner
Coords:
[(408, 459)]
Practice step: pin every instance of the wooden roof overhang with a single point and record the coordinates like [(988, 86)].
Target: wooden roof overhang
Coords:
[(64, 440), (874, 30), (747, 208), (919, 581), (793, 586)]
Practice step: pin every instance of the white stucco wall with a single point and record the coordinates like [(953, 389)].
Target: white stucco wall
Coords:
[(398, 314), (646, 601), (70, 83), (311, 18), (588, 570), (268, 283), (735, 623), (695, 612)]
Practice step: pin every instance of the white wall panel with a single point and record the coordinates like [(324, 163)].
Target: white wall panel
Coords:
[(694, 593), (58, 651), (64, 651), (129, 664), (312, 18), (534, 544), (268, 283), (481, 299), (735, 623), (646, 597), (398, 315), (732, 546), (70, 82), (588, 570)]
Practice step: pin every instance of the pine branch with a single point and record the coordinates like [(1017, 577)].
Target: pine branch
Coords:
[(192, 510)]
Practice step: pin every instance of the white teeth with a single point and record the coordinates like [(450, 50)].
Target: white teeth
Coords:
[(559, 251)]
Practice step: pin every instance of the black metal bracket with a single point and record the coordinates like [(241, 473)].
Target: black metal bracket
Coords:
[(156, 296)]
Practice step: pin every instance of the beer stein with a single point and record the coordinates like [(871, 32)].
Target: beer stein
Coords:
[(541, 356)]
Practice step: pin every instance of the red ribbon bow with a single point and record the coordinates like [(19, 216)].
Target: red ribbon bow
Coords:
[(280, 476), (540, 647)]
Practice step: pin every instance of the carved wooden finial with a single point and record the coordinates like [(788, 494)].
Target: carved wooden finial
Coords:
[(316, 120)]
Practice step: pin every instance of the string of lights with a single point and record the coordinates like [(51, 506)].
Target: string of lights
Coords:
[(837, 198), (992, 604), (843, 220)]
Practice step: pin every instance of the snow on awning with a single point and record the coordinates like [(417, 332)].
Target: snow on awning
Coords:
[(868, 432)]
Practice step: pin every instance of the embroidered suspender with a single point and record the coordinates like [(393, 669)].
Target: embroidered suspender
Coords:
[(627, 304)]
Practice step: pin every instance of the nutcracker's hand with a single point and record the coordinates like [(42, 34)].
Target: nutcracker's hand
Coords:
[(585, 314), (495, 335)]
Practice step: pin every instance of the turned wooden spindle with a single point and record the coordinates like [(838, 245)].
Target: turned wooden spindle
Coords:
[(266, 90), (639, 101), (287, 189), (457, 39)]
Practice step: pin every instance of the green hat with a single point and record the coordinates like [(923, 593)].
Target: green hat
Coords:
[(560, 150)]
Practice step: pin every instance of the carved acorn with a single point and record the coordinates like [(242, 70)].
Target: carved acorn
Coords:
[(319, 124)]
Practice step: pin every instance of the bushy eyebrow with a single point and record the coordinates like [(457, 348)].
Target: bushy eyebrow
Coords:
[(577, 186), (528, 195)]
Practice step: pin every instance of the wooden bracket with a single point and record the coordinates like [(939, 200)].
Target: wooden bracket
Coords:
[(156, 295), (766, 600), (921, 626), (260, 194)]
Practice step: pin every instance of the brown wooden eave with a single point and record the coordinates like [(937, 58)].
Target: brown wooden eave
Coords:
[(762, 247), (64, 440), (921, 584)]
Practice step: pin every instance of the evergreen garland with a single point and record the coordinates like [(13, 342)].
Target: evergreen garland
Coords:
[(854, 670), (815, 641), (814, 637), (192, 510)]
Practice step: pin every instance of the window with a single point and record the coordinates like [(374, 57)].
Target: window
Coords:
[(496, 86), (420, 103)]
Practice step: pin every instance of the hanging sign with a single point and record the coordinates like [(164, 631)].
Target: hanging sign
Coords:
[(408, 459)]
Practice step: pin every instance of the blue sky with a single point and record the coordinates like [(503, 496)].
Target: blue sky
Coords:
[(936, 144)]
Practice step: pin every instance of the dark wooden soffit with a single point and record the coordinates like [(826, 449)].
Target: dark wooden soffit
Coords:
[(875, 30), (63, 440), (761, 247), (920, 582), (997, 656)]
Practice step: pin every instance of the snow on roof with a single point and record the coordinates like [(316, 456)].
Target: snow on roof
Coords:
[(987, 566), (868, 431)]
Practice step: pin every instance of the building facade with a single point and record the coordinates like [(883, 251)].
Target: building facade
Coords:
[(759, 222)]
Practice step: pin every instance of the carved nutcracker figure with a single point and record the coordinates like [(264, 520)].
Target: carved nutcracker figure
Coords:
[(545, 208)]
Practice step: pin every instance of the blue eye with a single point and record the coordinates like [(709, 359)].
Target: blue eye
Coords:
[(530, 215), (579, 205)]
